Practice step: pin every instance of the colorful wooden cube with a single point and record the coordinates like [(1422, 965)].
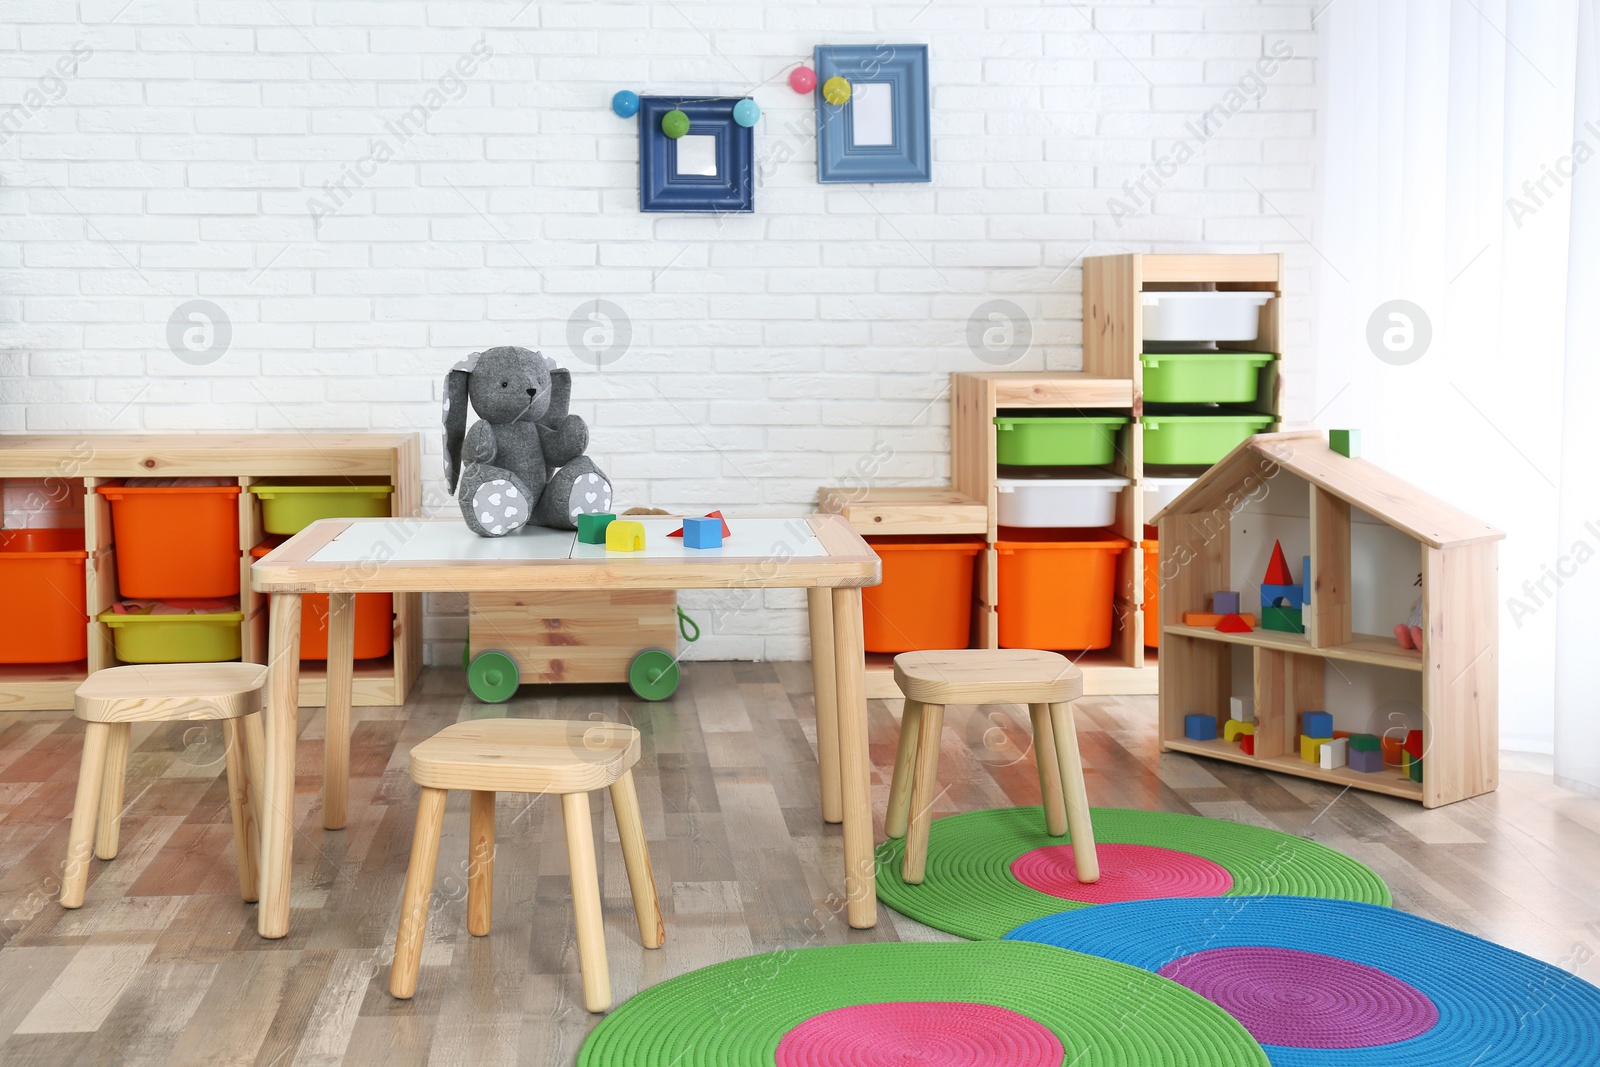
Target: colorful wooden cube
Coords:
[(1310, 748), (1293, 596), (592, 528), (1238, 712), (702, 533), (1316, 724), (1334, 754), (1225, 603), (1365, 760), (1198, 727), (1366, 743), (1345, 442), (1233, 729), (1413, 743), (623, 536), (1247, 744), (1415, 771), (1284, 620)]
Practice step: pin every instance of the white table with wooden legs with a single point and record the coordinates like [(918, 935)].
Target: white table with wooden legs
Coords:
[(343, 557)]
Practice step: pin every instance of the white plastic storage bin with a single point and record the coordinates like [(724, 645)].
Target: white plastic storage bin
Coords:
[(1159, 492), (1202, 316), (1058, 501)]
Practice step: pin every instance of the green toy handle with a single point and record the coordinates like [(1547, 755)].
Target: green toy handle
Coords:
[(685, 624)]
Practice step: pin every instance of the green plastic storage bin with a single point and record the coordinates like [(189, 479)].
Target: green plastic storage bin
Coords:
[(288, 509), (1192, 439), (1202, 377), (175, 638), (1075, 441)]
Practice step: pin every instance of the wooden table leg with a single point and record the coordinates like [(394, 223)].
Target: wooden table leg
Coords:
[(855, 764), (282, 729), (341, 681), (824, 688), (1076, 792)]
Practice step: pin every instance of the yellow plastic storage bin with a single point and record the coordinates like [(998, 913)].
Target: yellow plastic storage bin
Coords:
[(288, 509), (174, 638)]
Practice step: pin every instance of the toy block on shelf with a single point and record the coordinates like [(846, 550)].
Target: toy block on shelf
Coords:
[(1415, 771), (1345, 442), (1211, 619), (1283, 596), (1310, 748), (1234, 624), (1316, 724), (1413, 743), (1197, 727), (624, 536), (1393, 749), (1225, 602), (702, 533), (1233, 729), (1284, 620), (592, 528), (1277, 568), (1247, 744), (1366, 743), (1334, 753), (1238, 712), (679, 532), (1365, 760)]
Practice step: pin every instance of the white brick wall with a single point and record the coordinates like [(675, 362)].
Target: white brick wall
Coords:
[(161, 151)]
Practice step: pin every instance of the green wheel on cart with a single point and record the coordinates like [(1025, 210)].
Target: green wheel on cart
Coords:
[(653, 674), (492, 676)]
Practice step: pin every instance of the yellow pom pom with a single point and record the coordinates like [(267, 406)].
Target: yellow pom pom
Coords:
[(836, 91)]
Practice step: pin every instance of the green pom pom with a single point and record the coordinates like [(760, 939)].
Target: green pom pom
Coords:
[(674, 124)]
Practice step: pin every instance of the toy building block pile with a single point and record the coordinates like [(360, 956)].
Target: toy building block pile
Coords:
[(1366, 753), (1240, 728), (1283, 600), (621, 535)]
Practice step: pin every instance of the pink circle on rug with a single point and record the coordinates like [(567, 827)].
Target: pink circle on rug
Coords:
[(1304, 999), (1127, 872), (908, 1033)]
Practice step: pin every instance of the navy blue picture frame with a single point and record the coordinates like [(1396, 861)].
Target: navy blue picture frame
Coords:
[(662, 188), (910, 157)]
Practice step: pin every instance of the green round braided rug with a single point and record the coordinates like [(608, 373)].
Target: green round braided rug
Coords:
[(972, 889), (1001, 1003)]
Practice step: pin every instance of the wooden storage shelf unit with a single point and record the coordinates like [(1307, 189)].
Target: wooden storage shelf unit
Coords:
[(1368, 532), (84, 462)]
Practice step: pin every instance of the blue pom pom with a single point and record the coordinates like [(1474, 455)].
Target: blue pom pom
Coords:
[(746, 111), (625, 103)]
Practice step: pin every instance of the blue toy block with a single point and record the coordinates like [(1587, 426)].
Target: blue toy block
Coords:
[(1305, 581), (1367, 761), (1200, 727), (1225, 603), (1295, 595), (702, 533), (1316, 724)]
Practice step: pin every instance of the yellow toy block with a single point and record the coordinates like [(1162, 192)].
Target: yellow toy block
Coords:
[(1233, 728), (624, 536), (1311, 748)]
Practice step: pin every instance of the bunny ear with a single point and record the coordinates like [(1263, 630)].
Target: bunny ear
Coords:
[(549, 363), (455, 417)]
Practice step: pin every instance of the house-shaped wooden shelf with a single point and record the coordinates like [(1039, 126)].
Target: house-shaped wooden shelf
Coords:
[(1372, 540)]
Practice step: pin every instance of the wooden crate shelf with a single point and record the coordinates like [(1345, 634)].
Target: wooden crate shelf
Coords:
[(906, 510), (1361, 648), (84, 462)]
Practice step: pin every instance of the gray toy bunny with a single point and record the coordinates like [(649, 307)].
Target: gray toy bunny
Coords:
[(524, 459)]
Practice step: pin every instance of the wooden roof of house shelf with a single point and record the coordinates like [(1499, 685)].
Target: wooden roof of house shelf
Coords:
[(1305, 453)]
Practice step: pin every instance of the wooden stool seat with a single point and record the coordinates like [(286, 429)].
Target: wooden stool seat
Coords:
[(1045, 681), (987, 676), (569, 759), (110, 701), (526, 756)]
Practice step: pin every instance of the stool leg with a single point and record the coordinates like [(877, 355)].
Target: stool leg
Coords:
[(480, 864), (80, 842), (586, 902), (924, 778), (109, 825), (418, 892), (1077, 794), (1044, 753), (636, 855), (246, 829), (894, 820)]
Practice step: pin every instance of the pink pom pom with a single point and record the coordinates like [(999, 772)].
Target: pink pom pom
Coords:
[(802, 79)]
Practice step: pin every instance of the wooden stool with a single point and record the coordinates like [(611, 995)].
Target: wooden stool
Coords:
[(527, 756), (110, 700), (1046, 682)]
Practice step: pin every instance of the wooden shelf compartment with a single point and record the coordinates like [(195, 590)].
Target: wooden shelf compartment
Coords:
[(1361, 648), (910, 510), (40, 686), (1389, 780)]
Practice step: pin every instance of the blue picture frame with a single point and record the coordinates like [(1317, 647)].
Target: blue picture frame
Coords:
[(662, 188), (909, 156)]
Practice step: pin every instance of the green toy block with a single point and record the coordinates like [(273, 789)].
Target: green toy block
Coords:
[(592, 528), (1366, 743), (1286, 620), (1415, 770), (1345, 442)]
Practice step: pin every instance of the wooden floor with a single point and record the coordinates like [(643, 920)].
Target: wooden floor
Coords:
[(162, 964)]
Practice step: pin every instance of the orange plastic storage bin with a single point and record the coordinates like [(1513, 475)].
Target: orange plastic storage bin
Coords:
[(44, 614), (1152, 591), (1057, 587), (175, 541), (925, 600), (374, 619)]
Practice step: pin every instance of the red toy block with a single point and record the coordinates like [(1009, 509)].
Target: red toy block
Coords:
[(1233, 624), (710, 515), (1413, 743), (1247, 744), (1278, 568)]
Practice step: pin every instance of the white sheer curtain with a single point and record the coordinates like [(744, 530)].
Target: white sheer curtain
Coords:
[(1450, 131)]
